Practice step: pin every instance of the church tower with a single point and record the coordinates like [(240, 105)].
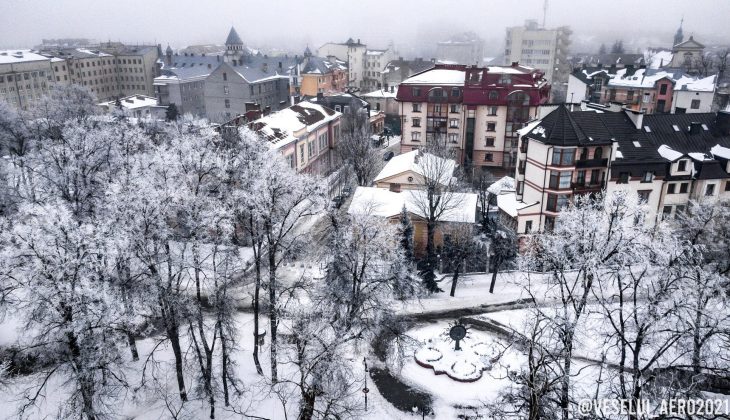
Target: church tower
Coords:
[(679, 36), (234, 46)]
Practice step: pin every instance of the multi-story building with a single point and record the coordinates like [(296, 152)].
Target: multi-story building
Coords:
[(109, 70), (475, 110), (664, 159), (466, 48), (315, 75), (351, 52), (545, 49), (642, 89), (25, 76), (375, 62), (244, 78), (306, 134), (397, 71), (182, 81)]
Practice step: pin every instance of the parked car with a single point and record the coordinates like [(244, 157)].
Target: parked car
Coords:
[(388, 156), (337, 201)]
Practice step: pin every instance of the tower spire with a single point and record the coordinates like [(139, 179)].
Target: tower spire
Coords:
[(679, 35)]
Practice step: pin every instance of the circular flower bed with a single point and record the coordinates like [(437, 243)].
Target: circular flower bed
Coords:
[(465, 365)]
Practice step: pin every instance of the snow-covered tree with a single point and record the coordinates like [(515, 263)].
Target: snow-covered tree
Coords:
[(356, 148)]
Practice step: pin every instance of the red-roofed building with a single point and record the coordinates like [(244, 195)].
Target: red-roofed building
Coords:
[(476, 110)]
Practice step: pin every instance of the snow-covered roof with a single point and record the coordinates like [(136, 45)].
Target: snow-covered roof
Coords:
[(385, 203), (504, 184), (658, 59), (692, 84), (380, 93), (720, 151), (415, 161), (437, 77), (668, 153), (280, 127), (699, 156), (640, 79), (132, 102), (20, 56), (509, 204)]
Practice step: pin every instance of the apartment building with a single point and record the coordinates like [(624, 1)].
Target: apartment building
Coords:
[(353, 53), (314, 75), (182, 81), (25, 76), (664, 159), (545, 49), (642, 89), (466, 48), (245, 78), (475, 110), (375, 62), (396, 71), (306, 134)]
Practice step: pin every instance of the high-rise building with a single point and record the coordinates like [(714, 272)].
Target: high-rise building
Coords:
[(466, 48), (545, 49)]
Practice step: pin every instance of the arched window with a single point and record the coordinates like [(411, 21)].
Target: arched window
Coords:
[(598, 154), (584, 154)]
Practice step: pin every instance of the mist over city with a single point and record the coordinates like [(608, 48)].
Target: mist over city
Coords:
[(364, 210)]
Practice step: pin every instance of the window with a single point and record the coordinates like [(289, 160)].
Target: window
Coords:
[(489, 157), (491, 126), (505, 79), (416, 91), (453, 137), (455, 92), (666, 211), (623, 178), (416, 107), (580, 179), (290, 160), (301, 153), (682, 165), (489, 142), (556, 202), (228, 103), (630, 96), (454, 123), (549, 223), (415, 136), (338, 108), (644, 196), (648, 177), (710, 190), (225, 90), (671, 188), (560, 180), (684, 188), (563, 157), (695, 104), (416, 122), (454, 108), (310, 149), (528, 226), (727, 186), (663, 89), (493, 110), (225, 76), (493, 95)]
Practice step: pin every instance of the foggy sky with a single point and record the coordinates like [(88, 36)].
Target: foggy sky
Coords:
[(413, 25)]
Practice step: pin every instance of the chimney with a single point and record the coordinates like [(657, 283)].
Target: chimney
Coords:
[(695, 127), (515, 64), (358, 40), (722, 122), (218, 58), (320, 97), (265, 67), (612, 70), (280, 65)]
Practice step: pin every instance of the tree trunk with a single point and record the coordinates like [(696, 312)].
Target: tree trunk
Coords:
[(174, 337), (256, 309), (308, 399), (272, 310), (132, 346), (454, 280), (495, 269), (565, 383), (224, 365)]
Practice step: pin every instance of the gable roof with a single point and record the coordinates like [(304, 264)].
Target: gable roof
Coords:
[(418, 163), (381, 202), (688, 44), (279, 127)]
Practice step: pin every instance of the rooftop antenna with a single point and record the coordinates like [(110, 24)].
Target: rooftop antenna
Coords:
[(544, 13)]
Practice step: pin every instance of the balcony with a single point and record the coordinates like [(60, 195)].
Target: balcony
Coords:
[(591, 163), (584, 187)]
